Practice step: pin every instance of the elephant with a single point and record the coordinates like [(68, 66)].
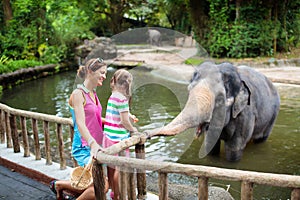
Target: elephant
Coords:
[(235, 104), (154, 37)]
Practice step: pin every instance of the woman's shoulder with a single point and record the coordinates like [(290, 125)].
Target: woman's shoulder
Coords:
[(76, 95)]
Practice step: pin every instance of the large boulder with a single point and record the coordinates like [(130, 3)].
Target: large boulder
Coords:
[(102, 47), (186, 192)]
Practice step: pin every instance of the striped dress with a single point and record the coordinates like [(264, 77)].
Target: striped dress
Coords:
[(113, 129)]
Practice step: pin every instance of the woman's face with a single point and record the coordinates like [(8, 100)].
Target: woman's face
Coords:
[(99, 75)]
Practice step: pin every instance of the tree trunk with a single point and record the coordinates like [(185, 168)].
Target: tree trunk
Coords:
[(199, 18), (8, 15), (275, 31), (237, 9)]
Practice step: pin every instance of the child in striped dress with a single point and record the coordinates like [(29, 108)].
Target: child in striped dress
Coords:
[(118, 120)]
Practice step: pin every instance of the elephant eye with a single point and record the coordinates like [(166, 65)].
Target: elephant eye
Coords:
[(196, 76)]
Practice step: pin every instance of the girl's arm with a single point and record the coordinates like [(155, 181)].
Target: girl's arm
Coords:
[(126, 122)]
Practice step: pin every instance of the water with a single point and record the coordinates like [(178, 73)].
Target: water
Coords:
[(157, 102)]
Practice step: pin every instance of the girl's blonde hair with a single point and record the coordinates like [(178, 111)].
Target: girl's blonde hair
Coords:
[(92, 64), (121, 81)]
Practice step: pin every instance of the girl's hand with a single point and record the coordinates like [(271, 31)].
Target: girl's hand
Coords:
[(133, 118)]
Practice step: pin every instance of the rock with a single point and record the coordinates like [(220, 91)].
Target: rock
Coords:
[(102, 47), (187, 192)]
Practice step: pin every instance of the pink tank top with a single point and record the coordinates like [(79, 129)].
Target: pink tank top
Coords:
[(93, 118)]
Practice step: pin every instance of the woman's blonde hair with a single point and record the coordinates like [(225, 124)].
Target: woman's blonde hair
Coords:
[(92, 64), (121, 81)]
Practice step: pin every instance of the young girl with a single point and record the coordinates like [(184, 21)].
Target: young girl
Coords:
[(118, 125)]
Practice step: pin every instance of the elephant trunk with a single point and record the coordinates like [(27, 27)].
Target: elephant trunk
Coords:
[(197, 110), (216, 125)]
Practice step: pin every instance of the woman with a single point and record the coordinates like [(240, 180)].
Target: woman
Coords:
[(86, 111)]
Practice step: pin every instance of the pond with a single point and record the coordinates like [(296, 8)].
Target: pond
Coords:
[(156, 101)]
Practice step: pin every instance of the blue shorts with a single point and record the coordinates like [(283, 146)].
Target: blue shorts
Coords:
[(82, 155)]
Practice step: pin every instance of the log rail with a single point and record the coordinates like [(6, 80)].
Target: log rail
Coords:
[(132, 170)]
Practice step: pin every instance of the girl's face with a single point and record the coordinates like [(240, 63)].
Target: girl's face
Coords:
[(99, 75)]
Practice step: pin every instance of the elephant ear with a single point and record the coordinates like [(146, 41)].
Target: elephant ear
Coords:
[(241, 100)]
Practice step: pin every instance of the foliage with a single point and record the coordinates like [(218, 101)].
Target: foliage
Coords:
[(48, 31), (194, 61), (219, 40), (44, 30), (15, 65)]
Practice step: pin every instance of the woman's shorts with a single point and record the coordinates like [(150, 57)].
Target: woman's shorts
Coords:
[(82, 155)]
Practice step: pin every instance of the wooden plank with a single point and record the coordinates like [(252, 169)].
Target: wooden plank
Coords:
[(99, 181), (141, 174), (280, 180), (36, 139), (34, 115), (122, 180), (47, 143), (203, 188), (246, 190), (14, 133), (25, 137), (8, 131), (2, 127), (61, 146), (163, 186), (295, 194), (131, 189)]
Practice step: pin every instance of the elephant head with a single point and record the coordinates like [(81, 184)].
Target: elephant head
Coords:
[(216, 95)]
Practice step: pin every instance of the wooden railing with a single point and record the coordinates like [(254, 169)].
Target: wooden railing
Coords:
[(132, 170), (9, 129)]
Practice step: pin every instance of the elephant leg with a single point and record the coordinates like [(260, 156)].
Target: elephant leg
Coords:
[(264, 134), (233, 154), (235, 146)]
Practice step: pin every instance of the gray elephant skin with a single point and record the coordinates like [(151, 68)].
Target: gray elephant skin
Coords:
[(233, 104), (154, 37)]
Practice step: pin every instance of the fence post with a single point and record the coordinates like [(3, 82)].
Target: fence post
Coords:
[(47, 143), (246, 190), (141, 174), (202, 188), (295, 194), (8, 131), (15, 135), (25, 137), (99, 181), (36, 139), (122, 179), (2, 127), (131, 192), (163, 186), (61, 146)]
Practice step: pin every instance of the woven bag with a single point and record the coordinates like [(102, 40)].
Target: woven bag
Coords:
[(81, 177)]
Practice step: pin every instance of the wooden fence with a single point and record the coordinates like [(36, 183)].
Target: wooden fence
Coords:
[(132, 175)]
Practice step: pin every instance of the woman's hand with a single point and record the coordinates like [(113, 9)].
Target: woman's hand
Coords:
[(95, 148)]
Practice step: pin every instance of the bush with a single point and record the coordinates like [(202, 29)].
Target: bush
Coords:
[(18, 64)]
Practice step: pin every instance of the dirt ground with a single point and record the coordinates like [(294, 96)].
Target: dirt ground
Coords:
[(166, 60)]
